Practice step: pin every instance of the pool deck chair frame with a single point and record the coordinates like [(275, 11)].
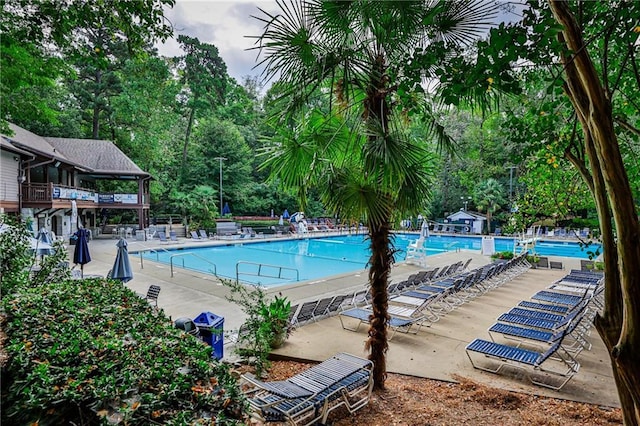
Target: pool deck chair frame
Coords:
[(396, 323), (530, 361), (343, 380)]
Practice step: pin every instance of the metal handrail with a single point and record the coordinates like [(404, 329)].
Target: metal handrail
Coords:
[(215, 268), (452, 244), (260, 265), (150, 250)]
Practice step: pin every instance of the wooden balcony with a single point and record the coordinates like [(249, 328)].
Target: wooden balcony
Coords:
[(48, 195)]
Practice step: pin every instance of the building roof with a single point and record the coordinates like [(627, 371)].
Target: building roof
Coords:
[(466, 215), (99, 158), (22, 138)]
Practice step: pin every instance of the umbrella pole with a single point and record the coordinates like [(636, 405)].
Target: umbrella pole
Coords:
[(81, 271)]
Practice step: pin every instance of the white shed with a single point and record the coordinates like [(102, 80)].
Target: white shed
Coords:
[(466, 221)]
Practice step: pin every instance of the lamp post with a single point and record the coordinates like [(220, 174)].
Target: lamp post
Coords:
[(465, 200), (221, 159), (511, 180)]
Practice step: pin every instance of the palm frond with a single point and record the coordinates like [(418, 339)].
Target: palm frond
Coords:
[(463, 22)]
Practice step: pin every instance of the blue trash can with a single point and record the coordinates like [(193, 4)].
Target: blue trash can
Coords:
[(212, 332)]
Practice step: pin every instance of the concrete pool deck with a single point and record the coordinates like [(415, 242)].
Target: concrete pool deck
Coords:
[(435, 352)]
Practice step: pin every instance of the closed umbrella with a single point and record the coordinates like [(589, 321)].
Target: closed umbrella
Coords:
[(81, 254), (285, 214), (121, 267), (44, 246), (280, 221), (226, 209), (424, 231)]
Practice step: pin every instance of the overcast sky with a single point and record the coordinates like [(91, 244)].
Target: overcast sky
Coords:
[(224, 24)]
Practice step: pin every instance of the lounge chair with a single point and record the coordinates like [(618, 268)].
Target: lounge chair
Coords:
[(396, 323), (152, 294), (335, 304), (203, 234), (305, 314), (526, 335), (320, 309), (173, 237), (307, 398), (524, 359), (163, 237), (195, 236)]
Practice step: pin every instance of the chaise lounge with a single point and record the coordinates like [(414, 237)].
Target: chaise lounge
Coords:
[(343, 380)]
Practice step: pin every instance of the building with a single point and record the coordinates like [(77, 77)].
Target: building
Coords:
[(467, 222), (54, 181)]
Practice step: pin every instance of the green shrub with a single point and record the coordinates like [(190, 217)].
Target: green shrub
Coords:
[(266, 322), (502, 255), (92, 351)]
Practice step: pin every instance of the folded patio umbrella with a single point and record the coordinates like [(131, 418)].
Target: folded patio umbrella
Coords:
[(121, 267), (424, 230), (44, 246), (285, 214), (81, 254), (226, 209)]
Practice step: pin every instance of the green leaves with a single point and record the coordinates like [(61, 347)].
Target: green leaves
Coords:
[(94, 347)]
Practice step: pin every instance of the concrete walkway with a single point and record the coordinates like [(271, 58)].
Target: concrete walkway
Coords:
[(435, 352)]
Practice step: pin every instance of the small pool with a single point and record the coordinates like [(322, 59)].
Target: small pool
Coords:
[(272, 263)]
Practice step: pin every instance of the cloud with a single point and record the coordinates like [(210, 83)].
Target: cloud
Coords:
[(225, 24)]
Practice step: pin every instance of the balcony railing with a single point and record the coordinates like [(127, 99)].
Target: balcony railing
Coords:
[(48, 192)]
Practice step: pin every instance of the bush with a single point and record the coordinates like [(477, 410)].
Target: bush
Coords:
[(266, 326), (92, 351), (502, 255)]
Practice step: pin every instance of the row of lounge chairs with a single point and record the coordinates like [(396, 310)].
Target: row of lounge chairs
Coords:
[(315, 310), (307, 398), (544, 334), (429, 295)]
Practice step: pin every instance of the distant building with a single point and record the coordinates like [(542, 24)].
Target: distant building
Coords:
[(467, 222), (53, 181)]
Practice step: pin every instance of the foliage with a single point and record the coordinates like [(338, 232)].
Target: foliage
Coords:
[(488, 196), (14, 264), (92, 351), (502, 255), (95, 351), (265, 321)]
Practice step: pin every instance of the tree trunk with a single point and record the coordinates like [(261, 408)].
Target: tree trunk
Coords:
[(380, 266), (621, 334), (95, 122)]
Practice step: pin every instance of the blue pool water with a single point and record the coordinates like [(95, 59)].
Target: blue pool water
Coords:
[(287, 261)]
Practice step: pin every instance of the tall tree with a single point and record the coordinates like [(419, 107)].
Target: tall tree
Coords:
[(204, 76), (489, 196), (92, 36), (589, 49), (372, 57)]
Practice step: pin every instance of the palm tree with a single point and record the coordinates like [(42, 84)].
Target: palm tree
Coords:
[(489, 196), (351, 78)]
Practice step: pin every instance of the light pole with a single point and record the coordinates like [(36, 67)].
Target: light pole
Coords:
[(465, 200), (511, 180), (221, 159)]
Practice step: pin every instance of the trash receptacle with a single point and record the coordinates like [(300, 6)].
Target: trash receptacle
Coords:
[(187, 325), (212, 332)]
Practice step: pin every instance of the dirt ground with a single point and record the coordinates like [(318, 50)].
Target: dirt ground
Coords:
[(411, 401)]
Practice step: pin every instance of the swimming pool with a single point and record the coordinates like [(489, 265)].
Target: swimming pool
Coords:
[(272, 263)]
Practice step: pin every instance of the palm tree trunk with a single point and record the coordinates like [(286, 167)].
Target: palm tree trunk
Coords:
[(380, 263)]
